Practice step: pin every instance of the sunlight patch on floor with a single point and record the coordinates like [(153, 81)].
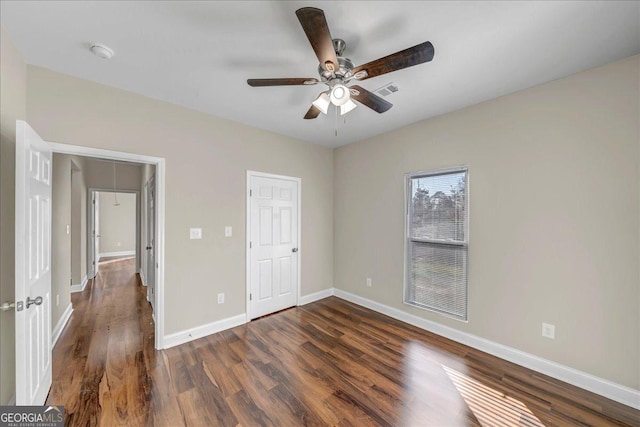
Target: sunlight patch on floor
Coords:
[(491, 407)]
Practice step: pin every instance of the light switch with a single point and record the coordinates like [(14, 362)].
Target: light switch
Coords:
[(195, 233), (228, 232), (68, 229)]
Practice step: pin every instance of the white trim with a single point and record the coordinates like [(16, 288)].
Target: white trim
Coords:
[(81, 286), (298, 180), (608, 389), (12, 401), (110, 254), (187, 335), (316, 296), (57, 331), (159, 163), (142, 279)]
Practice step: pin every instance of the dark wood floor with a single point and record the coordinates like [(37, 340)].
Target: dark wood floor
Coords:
[(327, 363)]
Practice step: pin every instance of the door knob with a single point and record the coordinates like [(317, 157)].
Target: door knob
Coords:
[(294, 250), (36, 301), (148, 248)]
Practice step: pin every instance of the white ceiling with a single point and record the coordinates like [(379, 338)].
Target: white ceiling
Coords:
[(199, 54)]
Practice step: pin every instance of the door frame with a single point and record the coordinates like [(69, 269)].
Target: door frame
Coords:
[(251, 174), (159, 163), (90, 193)]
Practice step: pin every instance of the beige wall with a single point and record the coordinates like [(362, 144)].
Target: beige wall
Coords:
[(554, 217), (60, 239), (206, 163), (99, 175), (117, 223), (13, 91)]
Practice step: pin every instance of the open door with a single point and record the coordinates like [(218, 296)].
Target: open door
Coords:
[(151, 242), (94, 234), (33, 266)]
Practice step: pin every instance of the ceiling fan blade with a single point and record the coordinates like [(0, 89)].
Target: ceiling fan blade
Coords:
[(315, 27), (396, 61), (369, 99), (281, 82), (312, 113)]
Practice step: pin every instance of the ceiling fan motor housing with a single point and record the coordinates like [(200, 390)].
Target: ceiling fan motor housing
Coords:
[(343, 72)]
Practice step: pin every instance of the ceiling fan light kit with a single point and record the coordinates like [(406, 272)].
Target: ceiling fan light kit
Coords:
[(337, 71), (322, 102), (339, 94), (347, 106)]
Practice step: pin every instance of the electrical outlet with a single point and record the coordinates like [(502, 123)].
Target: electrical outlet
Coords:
[(221, 298), (228, 231), (369, 281), (195, 233), (68, 229), (548, 330), (119, 244)]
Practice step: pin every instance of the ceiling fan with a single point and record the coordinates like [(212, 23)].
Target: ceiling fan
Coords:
[(337, 71)]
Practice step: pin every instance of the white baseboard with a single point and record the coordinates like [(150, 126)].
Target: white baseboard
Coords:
[(121, 253), (202, 331), (608, 389), (81, 286), (316, 296), (142, 279), (57, 331)]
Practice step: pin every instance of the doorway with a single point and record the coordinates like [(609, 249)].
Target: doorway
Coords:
[(159, 219), (273, 236), (114, 226)]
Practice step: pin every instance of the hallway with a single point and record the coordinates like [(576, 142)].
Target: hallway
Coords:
[(101, 361)]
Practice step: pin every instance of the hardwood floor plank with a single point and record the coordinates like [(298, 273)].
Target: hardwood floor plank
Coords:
[(329, 363)]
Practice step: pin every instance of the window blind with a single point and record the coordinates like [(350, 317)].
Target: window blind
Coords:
[(437, 245)]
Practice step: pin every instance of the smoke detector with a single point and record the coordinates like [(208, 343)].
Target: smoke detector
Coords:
[(102, 51)]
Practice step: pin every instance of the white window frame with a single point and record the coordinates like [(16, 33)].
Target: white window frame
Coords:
[(408, 177)]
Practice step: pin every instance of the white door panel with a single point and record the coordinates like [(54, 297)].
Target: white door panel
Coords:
[(151, 242), (33, 266), (273, 256)]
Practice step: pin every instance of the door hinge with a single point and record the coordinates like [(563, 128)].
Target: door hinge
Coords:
[(250, 245), (250, 296), (250, 193)]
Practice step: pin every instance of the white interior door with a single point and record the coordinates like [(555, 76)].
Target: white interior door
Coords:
[(273, 246), (33, 266), (151, 241), (94, 233)]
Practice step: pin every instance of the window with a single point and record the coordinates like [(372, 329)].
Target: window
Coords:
[(437, 241)]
